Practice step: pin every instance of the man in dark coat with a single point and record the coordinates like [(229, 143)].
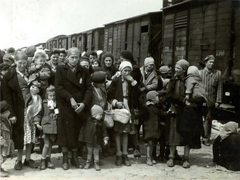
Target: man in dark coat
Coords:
[(73, 93)]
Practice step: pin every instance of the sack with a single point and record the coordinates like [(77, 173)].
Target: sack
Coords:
[(108, 120), (121, 115)]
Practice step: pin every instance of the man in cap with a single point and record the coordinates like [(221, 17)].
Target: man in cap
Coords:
[(212, 80), (163, 78)]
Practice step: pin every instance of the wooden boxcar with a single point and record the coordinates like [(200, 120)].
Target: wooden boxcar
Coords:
[(194, 29), (140, 34), (94, 39), (81, 41), (62, 41)]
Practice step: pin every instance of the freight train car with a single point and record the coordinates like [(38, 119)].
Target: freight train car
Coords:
[(141, 35), (193, 29), (57, 42), (95, 39)]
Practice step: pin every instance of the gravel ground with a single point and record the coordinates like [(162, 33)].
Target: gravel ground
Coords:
[(200, 160)]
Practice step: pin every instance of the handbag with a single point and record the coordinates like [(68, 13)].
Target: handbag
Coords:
[(121, 115), (108, 120)]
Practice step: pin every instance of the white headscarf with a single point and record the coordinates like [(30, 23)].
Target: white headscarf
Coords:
[(125, 64)]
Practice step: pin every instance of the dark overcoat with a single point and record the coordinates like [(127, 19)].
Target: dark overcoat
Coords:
[(68, 85), (13, 95)]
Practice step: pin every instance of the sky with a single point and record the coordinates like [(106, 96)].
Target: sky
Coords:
[(29, 22)]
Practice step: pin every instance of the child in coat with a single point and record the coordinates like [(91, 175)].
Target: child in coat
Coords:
[(151, 123), (93, 133), (40, 70), (49, 127), (195, 91)]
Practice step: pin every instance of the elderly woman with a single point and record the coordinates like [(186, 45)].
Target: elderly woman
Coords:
[(226, 149), (73, 94), (16, 91), (175, 96), (120, 95)]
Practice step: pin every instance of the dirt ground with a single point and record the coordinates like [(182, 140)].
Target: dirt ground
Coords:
[(200, 160)]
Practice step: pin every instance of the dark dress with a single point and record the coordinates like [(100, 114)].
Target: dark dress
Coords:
[(151, 122), (191, 126), (13, 94), (70, 84), (93, 132), (175, 96), (227, 152)]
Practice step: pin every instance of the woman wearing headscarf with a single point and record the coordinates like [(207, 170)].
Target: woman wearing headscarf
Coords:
[(127, 56), (226, 149), (16, 91), (175, 96), (120, 95)]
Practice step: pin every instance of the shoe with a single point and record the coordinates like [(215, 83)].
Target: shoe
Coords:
[(125, 160), (43, 165), (74, 160), (50, 165), (136, 153), (206, 142), (97, 167), (170, 162), (154, 161), (118, 161), (186, 164), (149, 161), (65, 164), (30, 163), (4, 173), (87, 165), (18, 165)]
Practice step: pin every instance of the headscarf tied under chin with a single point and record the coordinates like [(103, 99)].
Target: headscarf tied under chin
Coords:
[(125, 64), (227, 129)]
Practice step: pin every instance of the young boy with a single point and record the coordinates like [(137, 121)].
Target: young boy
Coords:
[(93, 133)]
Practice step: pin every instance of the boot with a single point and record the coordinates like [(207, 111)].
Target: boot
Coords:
[(118, 160), (149, 161), (65, 165), (125, 160), (96, 166), (50, 165), (43, 164), (75, 161), (154, 155), (88, 164)]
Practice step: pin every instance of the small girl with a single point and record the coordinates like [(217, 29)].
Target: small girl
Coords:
[(151, 123), (195, 91), (93, 133), (49, 127)]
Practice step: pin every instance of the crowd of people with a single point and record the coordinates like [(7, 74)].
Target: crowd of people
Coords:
[(65, 98)]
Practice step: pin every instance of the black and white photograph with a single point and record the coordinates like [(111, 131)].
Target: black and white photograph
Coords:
[(120, 89)]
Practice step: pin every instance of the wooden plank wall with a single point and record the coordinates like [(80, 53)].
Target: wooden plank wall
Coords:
[(237, 37), (167, 34)]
